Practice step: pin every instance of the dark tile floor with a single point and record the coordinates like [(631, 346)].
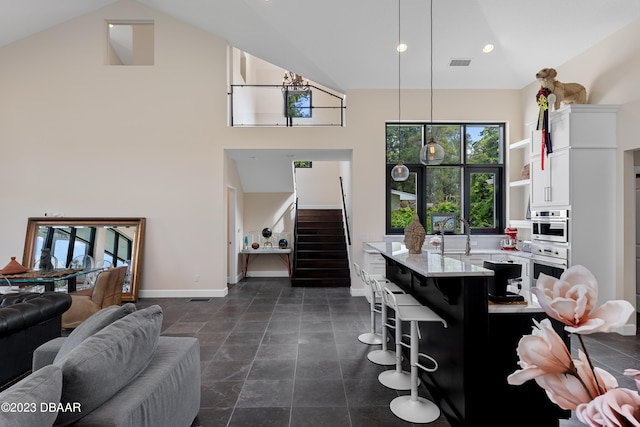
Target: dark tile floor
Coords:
[(277, 356)]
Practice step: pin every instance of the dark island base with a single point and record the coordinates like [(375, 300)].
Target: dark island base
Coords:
[(475, 354)]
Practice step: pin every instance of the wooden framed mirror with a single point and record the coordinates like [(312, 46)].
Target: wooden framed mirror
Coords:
[(117, 241)]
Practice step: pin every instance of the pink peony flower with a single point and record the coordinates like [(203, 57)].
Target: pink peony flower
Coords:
[(541, 353), (568, 390), (618, 407), (571, 300), (635, 374)]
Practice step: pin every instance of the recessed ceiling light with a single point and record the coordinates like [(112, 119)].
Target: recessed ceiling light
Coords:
[(488, 48), (401, 47)]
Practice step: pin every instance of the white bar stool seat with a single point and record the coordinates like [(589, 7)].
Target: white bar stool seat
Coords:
[(397, 379), (384, 356), (375, 306), (413, 408)]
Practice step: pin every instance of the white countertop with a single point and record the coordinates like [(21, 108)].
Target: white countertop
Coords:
[(431, 264)]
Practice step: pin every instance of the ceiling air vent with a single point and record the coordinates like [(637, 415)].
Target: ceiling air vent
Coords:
[(460, 63)]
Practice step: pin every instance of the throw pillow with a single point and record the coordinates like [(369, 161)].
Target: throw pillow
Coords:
[(24, 399), (94, 323), (105, 362)]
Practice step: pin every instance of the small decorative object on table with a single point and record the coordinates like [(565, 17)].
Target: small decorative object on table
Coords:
[(414, 235), (13, 267), (255, 245), (572, 384), (266, 233), (45, 263), (283, 244)]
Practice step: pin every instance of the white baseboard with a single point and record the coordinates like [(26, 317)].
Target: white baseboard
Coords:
[(184, 293), (627, 329)]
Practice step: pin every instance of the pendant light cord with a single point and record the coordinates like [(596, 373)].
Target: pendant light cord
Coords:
[(399, 77), (431, 71)]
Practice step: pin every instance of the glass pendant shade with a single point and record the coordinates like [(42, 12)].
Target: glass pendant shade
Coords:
[(400, 172), (432, 153)]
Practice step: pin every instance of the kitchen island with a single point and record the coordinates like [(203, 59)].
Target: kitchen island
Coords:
[(477, 351)]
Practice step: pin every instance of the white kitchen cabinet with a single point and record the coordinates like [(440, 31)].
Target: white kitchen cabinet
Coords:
[(550, 185), (374, 263), (526, 269), (582, 179)]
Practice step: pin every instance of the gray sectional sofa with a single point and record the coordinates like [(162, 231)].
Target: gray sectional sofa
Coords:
[(113, 370)]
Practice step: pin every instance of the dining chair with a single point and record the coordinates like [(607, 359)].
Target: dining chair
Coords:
[(90, 278), (83, 263)]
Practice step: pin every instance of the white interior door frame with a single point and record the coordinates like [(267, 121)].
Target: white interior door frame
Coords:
[(232, 236)]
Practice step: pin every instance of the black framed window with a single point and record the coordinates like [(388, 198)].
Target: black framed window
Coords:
[(470, 182)]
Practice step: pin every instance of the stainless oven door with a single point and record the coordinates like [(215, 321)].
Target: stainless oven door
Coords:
[(551, 260)]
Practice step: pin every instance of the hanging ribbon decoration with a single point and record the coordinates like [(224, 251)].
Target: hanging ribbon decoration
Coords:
[(542, 99)]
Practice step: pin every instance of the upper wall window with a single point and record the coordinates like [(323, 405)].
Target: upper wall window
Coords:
[(130, 43)]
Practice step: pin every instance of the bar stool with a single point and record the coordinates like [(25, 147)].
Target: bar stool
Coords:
[(384, 356), (413, 408), (397, 379), (370, 337), (375, 304)]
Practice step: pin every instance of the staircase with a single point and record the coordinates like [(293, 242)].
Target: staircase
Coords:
[(320, 258)]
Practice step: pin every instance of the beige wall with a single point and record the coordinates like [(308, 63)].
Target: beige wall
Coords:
[(319, 186), (85, 139)]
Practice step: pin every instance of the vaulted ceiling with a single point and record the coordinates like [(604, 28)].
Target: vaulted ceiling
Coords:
[(350, 44)]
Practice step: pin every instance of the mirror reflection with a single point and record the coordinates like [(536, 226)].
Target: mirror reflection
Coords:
[(75, 242)]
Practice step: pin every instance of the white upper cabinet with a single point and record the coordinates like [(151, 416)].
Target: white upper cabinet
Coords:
[(580, 136)]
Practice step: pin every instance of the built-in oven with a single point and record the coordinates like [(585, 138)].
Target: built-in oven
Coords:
[(550, 226), (550, 259)]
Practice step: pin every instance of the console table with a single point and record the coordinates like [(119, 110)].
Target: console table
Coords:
[(284, 255)]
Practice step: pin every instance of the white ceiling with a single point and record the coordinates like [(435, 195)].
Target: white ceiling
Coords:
[(350, 44)]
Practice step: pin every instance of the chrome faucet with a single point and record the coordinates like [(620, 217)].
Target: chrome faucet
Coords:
[(467, 229)]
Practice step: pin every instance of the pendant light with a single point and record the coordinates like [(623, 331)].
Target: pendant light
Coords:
[(432, 153), (399, 172)]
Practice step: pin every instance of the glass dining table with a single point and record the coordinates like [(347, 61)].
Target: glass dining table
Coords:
[(65, 279)]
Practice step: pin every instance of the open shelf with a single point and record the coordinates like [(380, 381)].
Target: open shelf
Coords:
[(520, 183), (520, 144)]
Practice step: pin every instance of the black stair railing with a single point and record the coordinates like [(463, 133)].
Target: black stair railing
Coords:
[(295, 239), (345, 215)]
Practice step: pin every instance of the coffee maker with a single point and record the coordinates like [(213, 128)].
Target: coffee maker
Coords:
[(505, 273)]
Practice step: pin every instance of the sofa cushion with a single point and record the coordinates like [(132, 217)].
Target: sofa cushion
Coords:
[(105, 362), (28, 394), (93, 324)]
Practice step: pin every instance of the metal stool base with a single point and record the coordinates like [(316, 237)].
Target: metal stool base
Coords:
[(370, 338), (382, 357), (415, 411), (396, 380)]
